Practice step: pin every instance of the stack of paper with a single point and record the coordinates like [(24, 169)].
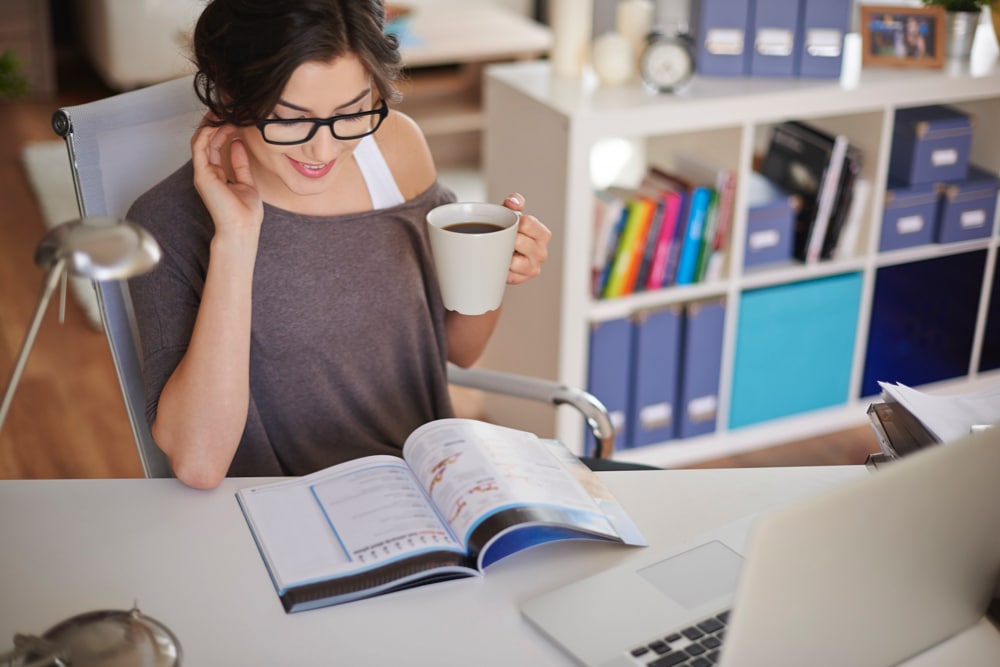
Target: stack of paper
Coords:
[(948, 416)]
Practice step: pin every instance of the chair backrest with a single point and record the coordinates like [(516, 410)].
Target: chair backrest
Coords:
[(118, 148)]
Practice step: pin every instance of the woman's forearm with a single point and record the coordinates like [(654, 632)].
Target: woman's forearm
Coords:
[(203, 407), (468, 335)]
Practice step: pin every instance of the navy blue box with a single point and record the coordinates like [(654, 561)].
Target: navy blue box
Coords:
[(909, 216), (701, 365), (773, 36), (771, 215), (930, 143), (822, 26), (721, 39), (967, 207)]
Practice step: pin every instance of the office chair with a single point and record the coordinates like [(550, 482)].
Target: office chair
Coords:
[(121, 146)]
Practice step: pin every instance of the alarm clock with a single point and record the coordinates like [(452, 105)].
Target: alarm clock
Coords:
[(667, 62)]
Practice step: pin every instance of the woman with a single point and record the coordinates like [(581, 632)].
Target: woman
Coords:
[(295, 320)]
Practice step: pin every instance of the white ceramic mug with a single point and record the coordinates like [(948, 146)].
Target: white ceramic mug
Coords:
[(473, 243)]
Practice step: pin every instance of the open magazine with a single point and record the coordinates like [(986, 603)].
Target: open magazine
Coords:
[(465, 494)]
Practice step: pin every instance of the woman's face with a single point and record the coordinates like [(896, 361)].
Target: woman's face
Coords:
[(315, 90)]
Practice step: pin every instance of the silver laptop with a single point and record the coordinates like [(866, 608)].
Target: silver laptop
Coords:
[(871, 573)]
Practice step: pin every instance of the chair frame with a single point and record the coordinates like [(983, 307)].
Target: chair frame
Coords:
[(81, 126)]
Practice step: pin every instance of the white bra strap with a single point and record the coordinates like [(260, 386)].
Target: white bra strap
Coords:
[(382, 186)]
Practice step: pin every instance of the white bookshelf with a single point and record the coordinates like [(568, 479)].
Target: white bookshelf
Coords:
[(539, 140)]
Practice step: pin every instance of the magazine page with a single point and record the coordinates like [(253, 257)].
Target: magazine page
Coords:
[(350, 518), (473, 470)]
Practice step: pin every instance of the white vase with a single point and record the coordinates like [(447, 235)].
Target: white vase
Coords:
[(572, 23)]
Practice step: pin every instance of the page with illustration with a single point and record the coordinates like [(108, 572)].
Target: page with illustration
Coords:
[(485, 479), (357, 518)]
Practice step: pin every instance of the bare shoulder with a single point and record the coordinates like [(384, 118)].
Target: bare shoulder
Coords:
[(406, 152)]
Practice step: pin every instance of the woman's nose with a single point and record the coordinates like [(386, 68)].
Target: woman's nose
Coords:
[(323, 146)]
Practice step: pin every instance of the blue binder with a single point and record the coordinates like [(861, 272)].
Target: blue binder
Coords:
[(822, 26), (773, 37), (701, 364), (609, 374), (720, 29), (656, 346), (693, 235)]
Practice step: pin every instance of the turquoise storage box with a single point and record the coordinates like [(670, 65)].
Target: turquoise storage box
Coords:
[(967, 207), (794, 348)]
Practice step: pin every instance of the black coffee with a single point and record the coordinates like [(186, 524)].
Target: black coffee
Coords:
[(473, 227)]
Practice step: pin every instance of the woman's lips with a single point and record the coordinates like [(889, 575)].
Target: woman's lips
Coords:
[(311, 170)]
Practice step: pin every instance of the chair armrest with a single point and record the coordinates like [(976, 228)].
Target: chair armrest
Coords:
[(546, 391)]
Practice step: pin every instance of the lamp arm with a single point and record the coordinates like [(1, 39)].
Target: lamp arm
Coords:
[(48, 286)]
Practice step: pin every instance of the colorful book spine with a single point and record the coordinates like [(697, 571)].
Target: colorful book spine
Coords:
[(722, 179), (629, 252), (673, 256), (672, 202), (609, 219), (707, 236), (687, 263), (726, 187)]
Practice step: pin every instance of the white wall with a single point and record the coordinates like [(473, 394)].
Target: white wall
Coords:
[(525, 7)]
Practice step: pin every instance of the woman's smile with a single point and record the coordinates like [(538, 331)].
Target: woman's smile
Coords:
[(311, 170)]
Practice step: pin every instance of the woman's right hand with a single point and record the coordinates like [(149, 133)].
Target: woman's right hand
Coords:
[(226, 187)]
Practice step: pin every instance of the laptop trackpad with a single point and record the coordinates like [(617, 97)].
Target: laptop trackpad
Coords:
[(696, 576)]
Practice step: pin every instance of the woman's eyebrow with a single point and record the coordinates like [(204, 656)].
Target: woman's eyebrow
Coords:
[(296, 107)]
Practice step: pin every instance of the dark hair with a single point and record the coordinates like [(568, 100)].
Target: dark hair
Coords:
[(247, 50)]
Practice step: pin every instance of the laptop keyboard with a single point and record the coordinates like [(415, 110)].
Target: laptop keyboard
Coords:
[(697, 645)]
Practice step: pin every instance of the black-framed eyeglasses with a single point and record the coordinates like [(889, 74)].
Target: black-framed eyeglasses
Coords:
[(288, 132)]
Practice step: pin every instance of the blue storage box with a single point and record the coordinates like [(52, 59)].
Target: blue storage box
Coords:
[(967, 207), (722, 45), (771, 215), (772, 36), (930, 143), (822, 26), (909, 216)]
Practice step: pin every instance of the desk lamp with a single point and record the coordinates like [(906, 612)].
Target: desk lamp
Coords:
[(98, 249), (94, 248)]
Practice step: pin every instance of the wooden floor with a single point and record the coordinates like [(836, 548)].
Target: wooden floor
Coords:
[(67, 419)]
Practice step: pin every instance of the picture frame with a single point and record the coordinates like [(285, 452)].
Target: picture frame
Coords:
[(902, 36)]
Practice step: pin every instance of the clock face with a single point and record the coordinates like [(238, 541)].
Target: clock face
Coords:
[(666, 64)]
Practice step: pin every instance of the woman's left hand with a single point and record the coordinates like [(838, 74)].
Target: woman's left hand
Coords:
[(531, 248)]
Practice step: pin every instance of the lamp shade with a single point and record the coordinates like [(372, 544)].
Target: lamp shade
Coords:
[(99, 248)]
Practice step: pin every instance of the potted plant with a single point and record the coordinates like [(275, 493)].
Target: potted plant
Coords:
[(995, 15), (12, 81), (960, 5), (961, 19)]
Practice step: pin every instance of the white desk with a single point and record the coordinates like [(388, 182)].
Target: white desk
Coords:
[(187, 559)]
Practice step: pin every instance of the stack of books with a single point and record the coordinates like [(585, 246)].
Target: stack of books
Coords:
[(670, 230), (822, 169)]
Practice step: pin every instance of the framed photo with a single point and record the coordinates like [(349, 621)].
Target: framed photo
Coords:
[(900, 36)]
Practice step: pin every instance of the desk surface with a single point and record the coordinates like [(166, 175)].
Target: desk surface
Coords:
[(471, 32), (186, 558)]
